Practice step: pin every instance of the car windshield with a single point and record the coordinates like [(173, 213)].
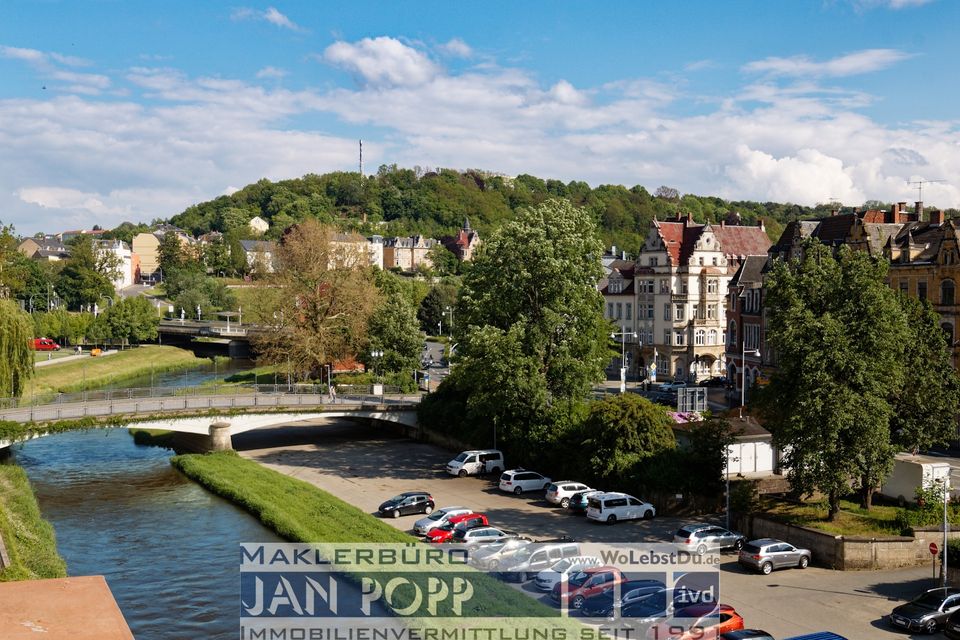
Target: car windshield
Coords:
[(460, 458), (446, 527), (929, 600), (561, 566), (437, 515), (578, 578), (651, 605), (397, 499), (685, 533)]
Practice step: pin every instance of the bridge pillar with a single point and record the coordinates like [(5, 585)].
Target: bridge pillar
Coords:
[(217, 439), (220, 439)]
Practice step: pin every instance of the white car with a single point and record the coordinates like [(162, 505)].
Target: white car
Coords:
[(561, 491), (547, 578), (613, 507), (519, 480), (438, 518), (476, 462)]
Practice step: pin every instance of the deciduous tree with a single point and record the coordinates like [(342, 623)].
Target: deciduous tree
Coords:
[(622, 430), (394, 331), (16, 355)]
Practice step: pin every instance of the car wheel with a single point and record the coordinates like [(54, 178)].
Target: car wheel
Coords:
[(804, 561), (766, 568), (463, 473), (738, 545), (564, 503), (395, 514), (429, 509), (577, 602), (611, 519), (702, 549), (930, 627), (518, 491), (648, 515)]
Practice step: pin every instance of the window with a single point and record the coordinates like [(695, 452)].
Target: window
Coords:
[(615, 286), (733, 333), (700, 337), (649, 313), (666, 337), (711, 311), (664, 286), (712, 286), (678, 312), (946, 292), (609, 310), (701, 262), (619, 310), (653, 261), (646, 286), (629, 315), (922, 289), (948, 333), (666, 311), (649, 339), (695, 312), (663, 366), (683, 287), (714, 261), (712, 336), (679, 338), (904, 287), (751, 336), (733, 301)]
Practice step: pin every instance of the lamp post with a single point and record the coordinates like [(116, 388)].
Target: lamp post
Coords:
[(440, 326), (726, 469), (755, 353), (450, 311), (945, 483), (376, 354), (623, 356)]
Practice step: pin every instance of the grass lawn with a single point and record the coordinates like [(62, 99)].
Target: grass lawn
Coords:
[(43, 356), (301, 512), (29, 539), (851, 521), (98, 372)]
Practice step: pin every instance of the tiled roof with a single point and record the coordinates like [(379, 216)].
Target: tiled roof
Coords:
[(672, 235), (625, 267), (251, 246), (737, 240), (835, 229), (750, 272)]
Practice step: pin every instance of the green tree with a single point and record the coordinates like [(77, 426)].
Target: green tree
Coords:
[(132, 320), (88, 275), (16, 356), (443, 260), (170, 253), (393, 330), (433, 308), (838, 331), (622, 430)]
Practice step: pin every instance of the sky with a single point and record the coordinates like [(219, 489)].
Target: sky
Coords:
[(117, 110)]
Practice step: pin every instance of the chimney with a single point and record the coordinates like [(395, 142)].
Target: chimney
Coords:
[(833, 212), (613, 249), (623, 256), (918, 209), (936, 217), (762, 227)]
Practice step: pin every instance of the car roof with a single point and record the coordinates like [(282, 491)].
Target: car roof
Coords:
[(465, 516), (415, 493), (819, 635), (745, 634), (615, 494), (762, 542)]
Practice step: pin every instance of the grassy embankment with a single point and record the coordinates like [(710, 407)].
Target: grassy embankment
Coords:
[(29, 539), (300, 512), (92, 373)]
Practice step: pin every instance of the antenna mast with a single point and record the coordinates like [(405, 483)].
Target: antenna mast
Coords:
[(361, 162), (919, 186)]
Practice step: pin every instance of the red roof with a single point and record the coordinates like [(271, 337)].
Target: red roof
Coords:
[(737, 240), (672, 235)]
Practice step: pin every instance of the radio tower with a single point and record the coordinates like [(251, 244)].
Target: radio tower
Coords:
[(363, 213)]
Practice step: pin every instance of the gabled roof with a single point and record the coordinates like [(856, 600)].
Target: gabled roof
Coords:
[(258, 246), (750, 272), (625, 267), (680, 239), (737, 240)]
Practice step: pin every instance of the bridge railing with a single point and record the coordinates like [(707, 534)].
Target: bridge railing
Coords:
[(312, 393)]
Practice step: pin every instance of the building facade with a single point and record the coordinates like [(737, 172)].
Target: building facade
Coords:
[(464, 243), (407, 253), (619, 307)]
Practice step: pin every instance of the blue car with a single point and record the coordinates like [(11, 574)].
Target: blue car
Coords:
[(578, 501)]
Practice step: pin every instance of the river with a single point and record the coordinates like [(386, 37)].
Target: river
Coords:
[(168, 549)]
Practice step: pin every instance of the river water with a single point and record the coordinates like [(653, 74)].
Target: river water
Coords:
[(168, 549)]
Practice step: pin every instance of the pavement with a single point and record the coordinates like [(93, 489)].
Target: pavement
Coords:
[(366, 465), (62, 359)]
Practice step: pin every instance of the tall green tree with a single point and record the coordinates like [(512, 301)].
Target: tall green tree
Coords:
[(132, 320), (171, 254), (16, 355), (622, 430), (838, 331), (433, 308), (394, 330), (88, 275)]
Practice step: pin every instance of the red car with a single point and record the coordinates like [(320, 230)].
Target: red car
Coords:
[(463, 521), (698, 622), (586, 583), (45, 344)]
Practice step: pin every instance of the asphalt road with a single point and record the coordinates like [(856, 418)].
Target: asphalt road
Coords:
[(366, 466)]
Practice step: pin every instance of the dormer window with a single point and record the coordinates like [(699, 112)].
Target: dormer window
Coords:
[(616, 286)]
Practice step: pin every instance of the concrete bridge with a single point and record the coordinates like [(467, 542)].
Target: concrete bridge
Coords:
[(208, 422)]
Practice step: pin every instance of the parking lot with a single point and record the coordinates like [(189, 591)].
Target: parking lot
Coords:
[(365, 466)]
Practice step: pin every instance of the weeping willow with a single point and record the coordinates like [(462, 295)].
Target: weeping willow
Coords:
[(16, 356)]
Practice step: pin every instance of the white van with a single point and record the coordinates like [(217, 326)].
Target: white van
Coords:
[(613, 507), (476, 462)]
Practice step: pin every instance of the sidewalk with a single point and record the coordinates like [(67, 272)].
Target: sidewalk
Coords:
[(86, 354)]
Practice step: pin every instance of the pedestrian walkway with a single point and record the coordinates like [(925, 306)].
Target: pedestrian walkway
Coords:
[(86, 354)]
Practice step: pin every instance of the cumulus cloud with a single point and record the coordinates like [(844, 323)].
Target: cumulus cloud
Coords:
[(271, 15), (272, 72), (846, 65), (457, 48), (382, 61), (50, 65)]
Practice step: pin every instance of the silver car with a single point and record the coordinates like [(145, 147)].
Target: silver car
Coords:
[(438, 518), (767, 554), (701, 538)]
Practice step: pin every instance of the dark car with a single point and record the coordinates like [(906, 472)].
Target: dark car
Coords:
[(928, 611), (407, 504), (578, 501), (600, 605), (661, 604), (746, 634), (819, 635), (952, 627), (715, 381)]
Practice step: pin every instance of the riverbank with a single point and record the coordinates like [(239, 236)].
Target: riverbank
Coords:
[(92, 373), (29, 539)]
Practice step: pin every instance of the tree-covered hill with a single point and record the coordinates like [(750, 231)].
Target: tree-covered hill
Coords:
[(399, 201)]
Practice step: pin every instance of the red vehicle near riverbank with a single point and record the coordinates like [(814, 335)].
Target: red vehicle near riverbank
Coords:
[(45, 344)]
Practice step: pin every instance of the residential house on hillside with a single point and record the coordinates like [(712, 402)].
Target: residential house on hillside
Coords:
[(464, 243), (146, 246), (44, 248), (746, 329), (619, 299), (67, 236), (682, 272), (407, 253), (370, 250), (127, 262), (259, 254), (258, 225)]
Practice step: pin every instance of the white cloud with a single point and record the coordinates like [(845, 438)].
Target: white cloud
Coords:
[(890, 4), (27, 55), (456, 47), (271, 15), (382, 61), (846, 65), (272, 72), (49, 65)]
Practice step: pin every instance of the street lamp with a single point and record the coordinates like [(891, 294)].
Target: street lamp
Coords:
[(623, 356), (945, 483), (726, 468), (450, 311), (754, 353), (376, 354)]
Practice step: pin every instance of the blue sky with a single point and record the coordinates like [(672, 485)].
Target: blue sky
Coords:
[(114, 111)]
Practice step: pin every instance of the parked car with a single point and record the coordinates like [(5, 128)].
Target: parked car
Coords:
[(45, 344), (700, 538), (466, 520), (767, 554), (654, 608), (519, 480), (585, 584), (484, 534), (603, 604), (579, 501), (438, 518), (700, 620), (819, 635), (534, 558), (951, 628), (476, 462), (715, 381), (928, 611), (406, 504), (673, 386), (548, 578), (747, 634), (490, 556), (613, 507), (561, 491)]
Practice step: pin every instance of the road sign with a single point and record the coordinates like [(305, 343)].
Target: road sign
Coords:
[(934, 549)]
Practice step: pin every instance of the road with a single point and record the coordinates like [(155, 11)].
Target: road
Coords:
[(365, 467)]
